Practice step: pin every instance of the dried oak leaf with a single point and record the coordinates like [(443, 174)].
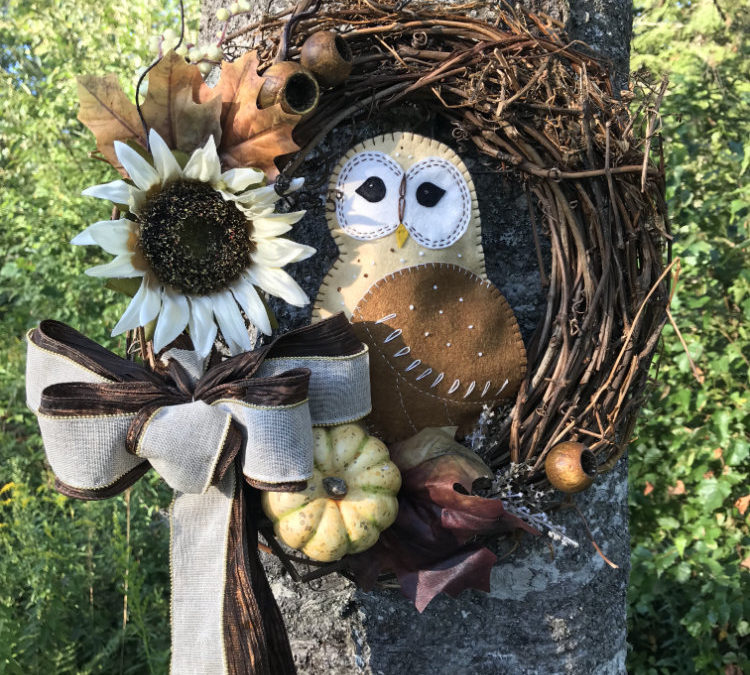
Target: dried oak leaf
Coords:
[(430, 547), (170, 106), (251, 136), (109, 114)]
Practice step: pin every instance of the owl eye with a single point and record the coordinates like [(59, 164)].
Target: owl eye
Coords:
[(373, 189), (429, 194), (438, 205), (368, 195)]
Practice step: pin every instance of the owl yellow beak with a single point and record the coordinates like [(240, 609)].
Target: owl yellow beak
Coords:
[(402, 234)]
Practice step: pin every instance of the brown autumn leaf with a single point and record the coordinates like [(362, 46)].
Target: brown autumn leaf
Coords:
[(746, 563), (170, 107), (109, 114), (742, 503), (250, 136), (648, 489), (677, 489), (430, 547)]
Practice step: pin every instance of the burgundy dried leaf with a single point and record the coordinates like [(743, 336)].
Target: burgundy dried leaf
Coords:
[(428, 547), (467, 569)]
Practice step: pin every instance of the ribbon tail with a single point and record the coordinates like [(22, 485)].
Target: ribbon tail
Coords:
[(225, 620), (256, 639), (198, 552)]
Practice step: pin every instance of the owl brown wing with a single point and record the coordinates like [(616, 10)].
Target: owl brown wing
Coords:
[(444, 343)]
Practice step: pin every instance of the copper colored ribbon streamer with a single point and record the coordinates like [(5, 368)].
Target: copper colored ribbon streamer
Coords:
[(105, 421)]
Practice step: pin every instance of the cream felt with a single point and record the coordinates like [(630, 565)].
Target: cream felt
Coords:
[(453, 223)]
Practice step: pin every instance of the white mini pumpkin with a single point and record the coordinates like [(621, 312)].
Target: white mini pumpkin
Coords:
[(348, 502)]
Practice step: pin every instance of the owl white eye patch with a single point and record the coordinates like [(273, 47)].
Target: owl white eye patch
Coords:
[(437, 208), (367, 195)]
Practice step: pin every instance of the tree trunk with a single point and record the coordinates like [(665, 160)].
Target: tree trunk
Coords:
[(552, 609)]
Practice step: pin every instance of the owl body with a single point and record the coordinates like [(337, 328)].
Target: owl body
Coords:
[(410, 274)]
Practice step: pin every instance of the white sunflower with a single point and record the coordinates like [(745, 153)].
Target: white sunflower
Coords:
[(201, 241)]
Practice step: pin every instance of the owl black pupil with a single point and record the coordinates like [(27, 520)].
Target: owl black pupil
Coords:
[(373, 189), (429, 194)]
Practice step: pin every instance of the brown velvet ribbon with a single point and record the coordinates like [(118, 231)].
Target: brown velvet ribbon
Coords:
[(255, 639)]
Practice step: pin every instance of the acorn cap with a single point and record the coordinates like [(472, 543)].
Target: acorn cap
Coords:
[(570, 467), (328, 55), (290, 85)]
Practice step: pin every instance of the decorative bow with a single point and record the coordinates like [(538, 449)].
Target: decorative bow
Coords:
[(106, 420)]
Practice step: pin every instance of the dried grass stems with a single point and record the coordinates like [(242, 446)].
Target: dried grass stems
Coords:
[(534, 104)]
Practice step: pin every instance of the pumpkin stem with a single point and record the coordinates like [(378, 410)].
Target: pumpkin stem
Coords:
[(335, 487)]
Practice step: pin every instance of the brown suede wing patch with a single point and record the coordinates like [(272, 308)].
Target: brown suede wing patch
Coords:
[(443, 343)]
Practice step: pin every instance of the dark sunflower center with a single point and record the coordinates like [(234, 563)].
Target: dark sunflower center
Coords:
[(193, 239)]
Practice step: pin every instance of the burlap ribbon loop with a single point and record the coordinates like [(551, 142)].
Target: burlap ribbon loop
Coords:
[(105, 421)]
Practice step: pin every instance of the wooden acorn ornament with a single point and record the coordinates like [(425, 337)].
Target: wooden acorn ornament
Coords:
[(327, 55), (291, 85), (570, 467)]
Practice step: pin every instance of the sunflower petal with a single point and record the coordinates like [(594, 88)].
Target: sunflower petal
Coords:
[(118, 192), (265, 229), (164, 161), (270, 219), (279, 283), (172, 320), (247, 297), (279, 252), (121, 267), (295, 184), (144, 306), (111, 235), (84, 238), (202, 326), (203, 164), (230, 322), (140, 171), (237, 180), (257, 200)]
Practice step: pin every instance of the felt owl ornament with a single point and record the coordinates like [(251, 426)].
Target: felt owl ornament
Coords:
[(443, 341)]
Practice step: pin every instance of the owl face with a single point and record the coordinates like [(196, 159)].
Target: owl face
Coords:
[(431, 199), (399, 200)]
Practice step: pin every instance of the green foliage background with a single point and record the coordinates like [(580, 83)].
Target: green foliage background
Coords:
[(689, 593), (65, 566)]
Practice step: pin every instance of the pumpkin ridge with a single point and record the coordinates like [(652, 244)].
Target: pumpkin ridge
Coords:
[(345, 530), (358, 452), (314, 530), (281, 516)]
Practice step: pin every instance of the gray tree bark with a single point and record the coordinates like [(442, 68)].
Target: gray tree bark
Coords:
[(552, 609)]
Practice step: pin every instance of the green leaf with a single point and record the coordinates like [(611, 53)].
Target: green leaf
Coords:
[(712, 493)]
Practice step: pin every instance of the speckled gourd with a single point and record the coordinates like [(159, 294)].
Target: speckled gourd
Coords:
[(348, 502)]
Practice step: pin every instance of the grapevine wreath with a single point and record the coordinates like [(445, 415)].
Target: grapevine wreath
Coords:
[(356, 428)]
